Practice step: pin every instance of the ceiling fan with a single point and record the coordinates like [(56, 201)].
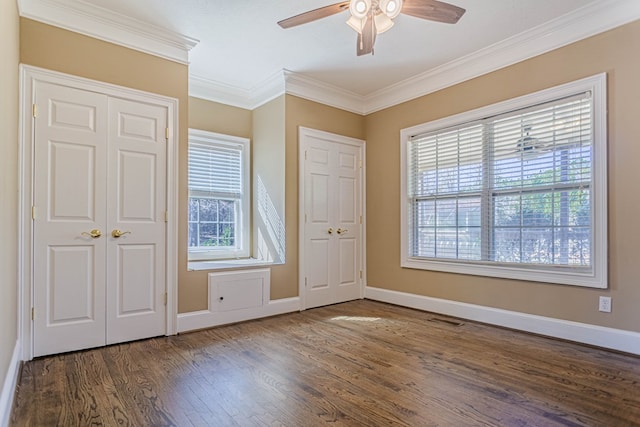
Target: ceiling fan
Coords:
[(372, 17)]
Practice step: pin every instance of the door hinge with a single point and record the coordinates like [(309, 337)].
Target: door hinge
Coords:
[(360, 219), (33, 313), (166, 216), (166, 298), (305, 154), (305, 282), (34, 110), (33, 212), (361, 274), (305, 218), (166, 133), (360, 164)]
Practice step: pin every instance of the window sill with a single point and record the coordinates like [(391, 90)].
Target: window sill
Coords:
[(559, 276), (227, 264)]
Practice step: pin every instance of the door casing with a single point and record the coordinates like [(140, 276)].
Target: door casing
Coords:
[(28, 76), (304, 132)]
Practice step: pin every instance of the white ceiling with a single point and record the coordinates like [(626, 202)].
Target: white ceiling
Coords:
[(241, 48)]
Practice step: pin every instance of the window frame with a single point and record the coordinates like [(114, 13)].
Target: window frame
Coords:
[(242, 248), (597, 275)]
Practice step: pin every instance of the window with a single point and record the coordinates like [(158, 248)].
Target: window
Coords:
[(218, 196), (514, 190)]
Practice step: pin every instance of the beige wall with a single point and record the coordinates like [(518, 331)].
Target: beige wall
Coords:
[(220, 118), (268, 165), (211, 117), (301, 112), (9, 52), (614, 52)]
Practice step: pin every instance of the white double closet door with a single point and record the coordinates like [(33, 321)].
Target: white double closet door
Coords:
[(99, 219)]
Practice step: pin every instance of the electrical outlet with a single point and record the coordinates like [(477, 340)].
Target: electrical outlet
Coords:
[(605, 304)]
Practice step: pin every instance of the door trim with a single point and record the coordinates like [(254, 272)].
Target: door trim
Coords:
[(29, 75), (308, 132)]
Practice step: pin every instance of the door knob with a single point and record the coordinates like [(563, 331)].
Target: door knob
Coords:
[(342, 231), (117, 233), (330, 230), (95, 233)]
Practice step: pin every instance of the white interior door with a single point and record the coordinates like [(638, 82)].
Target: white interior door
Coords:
[(69, 202), (332, 233), (136, 192), (99, 225)]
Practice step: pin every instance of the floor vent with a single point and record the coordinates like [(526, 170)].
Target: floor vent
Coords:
[(447, 321)]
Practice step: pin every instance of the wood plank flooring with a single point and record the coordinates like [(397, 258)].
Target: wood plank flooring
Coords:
[(360, 363)]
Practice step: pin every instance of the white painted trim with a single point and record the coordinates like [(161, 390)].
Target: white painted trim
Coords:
[(341, 139), (598, 276), (28, 76), (173, 145), (207, 319), (94, 21), (9, 386), (614, 339), (315, 90), (249, 99)]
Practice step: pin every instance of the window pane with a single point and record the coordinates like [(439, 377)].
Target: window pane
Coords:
[(208, 210), (446, 242), (469, 243), (426, 242), (446, 213), (208, 235), (573, 245), (506, 245), (225, 231), (193, 209), (469, 212), (506, 211), (537, 209), (537, 245), (193, 235), (227, 211)]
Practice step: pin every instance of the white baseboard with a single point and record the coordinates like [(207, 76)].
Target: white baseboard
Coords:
[(615, 339), (207, 319), (9, 386)]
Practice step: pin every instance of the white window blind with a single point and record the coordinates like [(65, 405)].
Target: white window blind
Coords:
[(215, 169), (512, 189)]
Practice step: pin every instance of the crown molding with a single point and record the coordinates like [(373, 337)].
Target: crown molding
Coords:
[(94, 21), (249, 99), (564, 30), (315, 90)]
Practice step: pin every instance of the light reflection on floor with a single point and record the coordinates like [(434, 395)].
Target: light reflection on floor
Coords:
[(357, 318)]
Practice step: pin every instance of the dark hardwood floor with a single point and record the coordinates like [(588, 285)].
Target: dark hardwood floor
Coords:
[(360, 363)]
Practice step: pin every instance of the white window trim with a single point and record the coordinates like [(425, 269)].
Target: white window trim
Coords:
[(242, 233), (598, 277)]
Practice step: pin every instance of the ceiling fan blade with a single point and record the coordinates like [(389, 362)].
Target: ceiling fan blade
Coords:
[(312, 15), (433, 10), (367, 39)]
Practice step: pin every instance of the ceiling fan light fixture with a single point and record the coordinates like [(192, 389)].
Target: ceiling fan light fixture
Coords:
[(383, 23), (360, 8), (356, 24), (391, 8)]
